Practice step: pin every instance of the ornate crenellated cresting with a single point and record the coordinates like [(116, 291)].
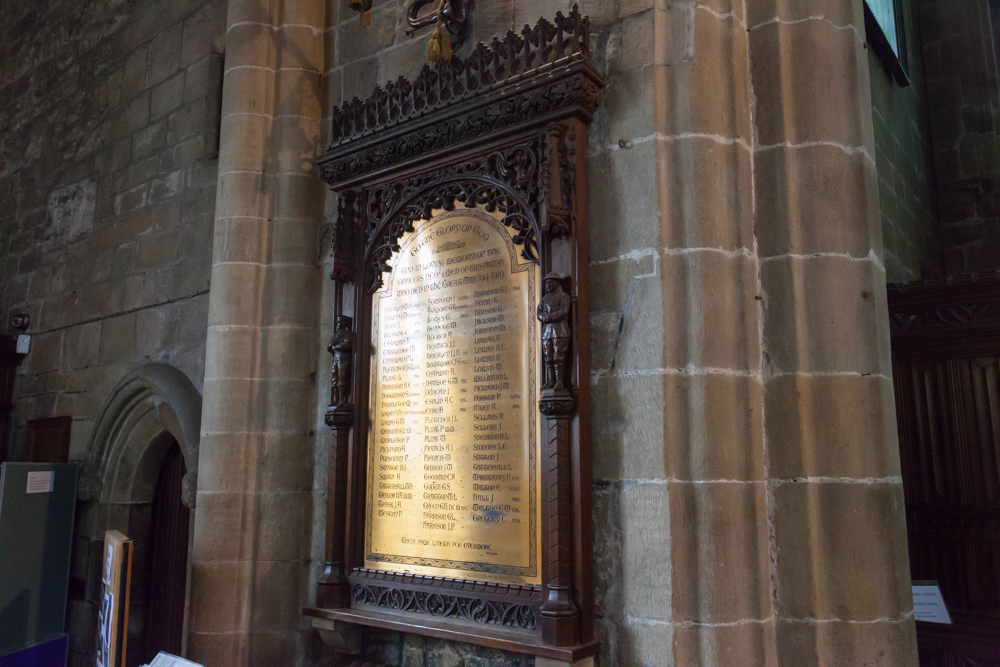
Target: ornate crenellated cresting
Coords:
[(503, 131)]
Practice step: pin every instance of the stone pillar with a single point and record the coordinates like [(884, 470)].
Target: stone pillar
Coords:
[(839, 563), (713, 432), (678, 429), (250, 551)]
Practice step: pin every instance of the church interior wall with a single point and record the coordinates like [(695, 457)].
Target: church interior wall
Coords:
[(904, 156), (108, 145)]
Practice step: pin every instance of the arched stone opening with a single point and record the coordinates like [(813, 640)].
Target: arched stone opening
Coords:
[(153, 415)]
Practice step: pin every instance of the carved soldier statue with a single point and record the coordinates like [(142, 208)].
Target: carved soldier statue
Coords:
[(553, 313), (341, 348)]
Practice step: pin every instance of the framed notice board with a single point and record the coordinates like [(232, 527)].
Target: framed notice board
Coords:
[(459, 472)]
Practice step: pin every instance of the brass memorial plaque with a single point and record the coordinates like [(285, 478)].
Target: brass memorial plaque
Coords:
[(453, 448)]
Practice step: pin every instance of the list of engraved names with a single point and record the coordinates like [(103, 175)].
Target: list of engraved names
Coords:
[(452, 481)]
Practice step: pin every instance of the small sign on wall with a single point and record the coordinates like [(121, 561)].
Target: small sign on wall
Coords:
[(928, 603), (40, 482)]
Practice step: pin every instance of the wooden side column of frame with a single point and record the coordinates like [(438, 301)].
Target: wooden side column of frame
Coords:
[(560, 615), (333, 590)]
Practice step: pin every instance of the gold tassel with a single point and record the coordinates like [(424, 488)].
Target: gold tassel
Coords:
[(366, 18), (439, 46)]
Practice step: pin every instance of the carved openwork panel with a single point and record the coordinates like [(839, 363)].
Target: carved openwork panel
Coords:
[(459, 493)]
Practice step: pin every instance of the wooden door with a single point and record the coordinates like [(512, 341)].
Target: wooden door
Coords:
[(946, 373), (168, 557), (47, 440), (9, 361)]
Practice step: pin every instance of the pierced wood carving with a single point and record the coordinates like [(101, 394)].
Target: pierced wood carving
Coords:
[(504, 132)]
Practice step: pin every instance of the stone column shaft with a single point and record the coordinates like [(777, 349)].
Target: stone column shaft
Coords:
[(250, 566), (838, 544)]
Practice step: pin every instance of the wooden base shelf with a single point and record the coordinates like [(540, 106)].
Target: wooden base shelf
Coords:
[(498, 639)]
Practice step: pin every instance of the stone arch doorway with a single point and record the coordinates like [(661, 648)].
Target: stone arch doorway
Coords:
[(139, 478)]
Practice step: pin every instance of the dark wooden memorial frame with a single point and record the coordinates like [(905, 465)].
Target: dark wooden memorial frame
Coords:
[(505, 129)]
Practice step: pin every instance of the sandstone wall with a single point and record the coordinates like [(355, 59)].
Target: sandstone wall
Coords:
[(742, 404), (108, 139), (108, 143), (905, 159), (963, 93)]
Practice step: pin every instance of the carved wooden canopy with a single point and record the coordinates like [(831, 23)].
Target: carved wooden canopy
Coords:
[(505, 130)]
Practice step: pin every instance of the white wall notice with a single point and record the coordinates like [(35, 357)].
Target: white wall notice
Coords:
[(40, 482), (928, 604)]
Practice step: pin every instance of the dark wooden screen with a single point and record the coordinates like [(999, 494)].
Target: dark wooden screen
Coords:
[(47, 440), (168, 557), (946, 372)]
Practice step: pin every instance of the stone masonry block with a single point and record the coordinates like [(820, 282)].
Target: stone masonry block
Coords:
[(187, 122), (137, 112), (221, 587), (140, 290), (842, 643), (820, 63), (816, 199), (232, 199), (720, 552), (240, 239), (166, 186), (134, 73), (215, 540), (713, 428), (705, 194), (166, 97), (251, 46), (157, 250), (354, 43), (283, 519), (626, 110), (825, 314), (164, 55), (646, 541), (628, 436), (360, 78), (639, 344), (117, 339), (742, 644), (153, 330), (712, 294), (696, 97), (46, 352), (644, 643), (287, 467), (492, 18), (406, 59), (298, 94), (81, 346), (149, 139), (623, 216), (303, 49), (839, 556), (298, 196), (203, 32), (831, 426), (611, 281)]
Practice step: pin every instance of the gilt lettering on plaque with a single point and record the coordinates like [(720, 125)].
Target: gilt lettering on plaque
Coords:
[(453, 444)]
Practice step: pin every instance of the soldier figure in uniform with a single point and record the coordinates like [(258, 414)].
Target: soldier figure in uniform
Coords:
[(340, 347), (553, 313)]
